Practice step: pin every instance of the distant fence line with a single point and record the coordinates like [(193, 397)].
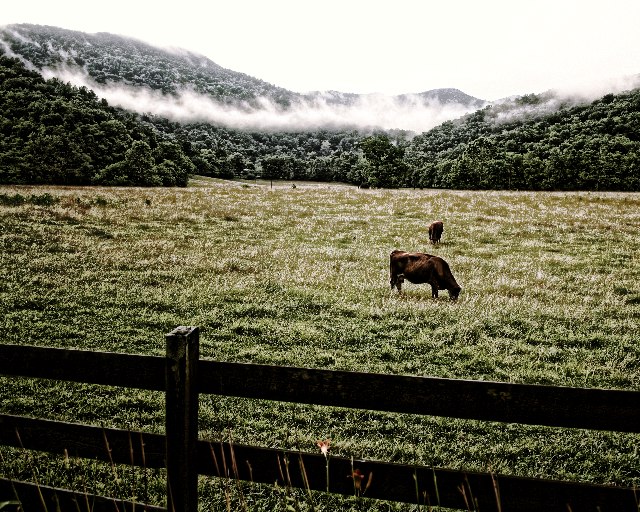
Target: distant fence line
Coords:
[(183, 376)]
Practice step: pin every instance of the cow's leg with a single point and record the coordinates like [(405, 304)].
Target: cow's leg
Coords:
[(397, 280), (434, 291)]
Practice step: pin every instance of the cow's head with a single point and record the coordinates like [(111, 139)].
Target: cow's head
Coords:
[(454, 292)]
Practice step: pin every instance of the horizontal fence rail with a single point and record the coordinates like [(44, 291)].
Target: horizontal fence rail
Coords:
[(43, 497), (594, 409), (124, 370), (390, 481)]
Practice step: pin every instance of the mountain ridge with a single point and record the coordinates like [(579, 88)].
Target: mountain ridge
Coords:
[(110, 59)]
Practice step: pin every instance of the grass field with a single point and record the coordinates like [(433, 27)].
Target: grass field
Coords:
[(299, 276)]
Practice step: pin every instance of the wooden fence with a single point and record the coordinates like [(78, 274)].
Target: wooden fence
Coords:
[(183, 376)]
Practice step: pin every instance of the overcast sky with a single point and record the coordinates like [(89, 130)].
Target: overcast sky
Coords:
[(489, 49)]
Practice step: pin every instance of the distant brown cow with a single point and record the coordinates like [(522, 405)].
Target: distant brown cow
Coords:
[(418, 268), (435, 231)]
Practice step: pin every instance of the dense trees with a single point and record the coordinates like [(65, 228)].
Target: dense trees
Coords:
[(383, 165), (53, 133), (585, 147)]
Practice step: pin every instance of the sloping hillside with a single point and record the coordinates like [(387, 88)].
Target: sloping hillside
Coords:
[(594, 146), (53, 133), (111, 58), (116, 59)]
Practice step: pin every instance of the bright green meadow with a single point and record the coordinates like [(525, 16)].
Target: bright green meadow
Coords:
[(299, 275)]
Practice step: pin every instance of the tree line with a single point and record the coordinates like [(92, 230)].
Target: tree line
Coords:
[(594, 146)]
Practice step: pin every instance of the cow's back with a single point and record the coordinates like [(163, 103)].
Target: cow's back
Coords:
[(413, 265)]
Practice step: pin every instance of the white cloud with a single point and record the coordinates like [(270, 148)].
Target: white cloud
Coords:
[(598, 87), (370, 111)]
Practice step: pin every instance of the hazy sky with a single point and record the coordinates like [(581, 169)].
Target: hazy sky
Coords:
[(487, 48)]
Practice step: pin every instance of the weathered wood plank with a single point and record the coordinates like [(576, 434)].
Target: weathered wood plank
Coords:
[(597, 409), (414, 484), (183, 352), (108, 368), (42, 498), (121, 446)]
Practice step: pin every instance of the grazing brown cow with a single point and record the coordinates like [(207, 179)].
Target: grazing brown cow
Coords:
[(435, 231), (418, 268)]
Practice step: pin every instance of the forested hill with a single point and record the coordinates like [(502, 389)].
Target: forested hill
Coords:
[(594, 146), (109, 58), (53, 132)]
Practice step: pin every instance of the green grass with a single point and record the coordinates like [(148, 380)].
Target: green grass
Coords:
[(299, 276)]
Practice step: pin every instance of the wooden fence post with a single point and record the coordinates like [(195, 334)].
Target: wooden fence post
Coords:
[(183, 351)]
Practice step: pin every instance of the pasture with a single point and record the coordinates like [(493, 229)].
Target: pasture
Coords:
[(299, 276)]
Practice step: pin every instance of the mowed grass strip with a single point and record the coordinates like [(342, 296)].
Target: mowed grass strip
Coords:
[(299, 276)]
